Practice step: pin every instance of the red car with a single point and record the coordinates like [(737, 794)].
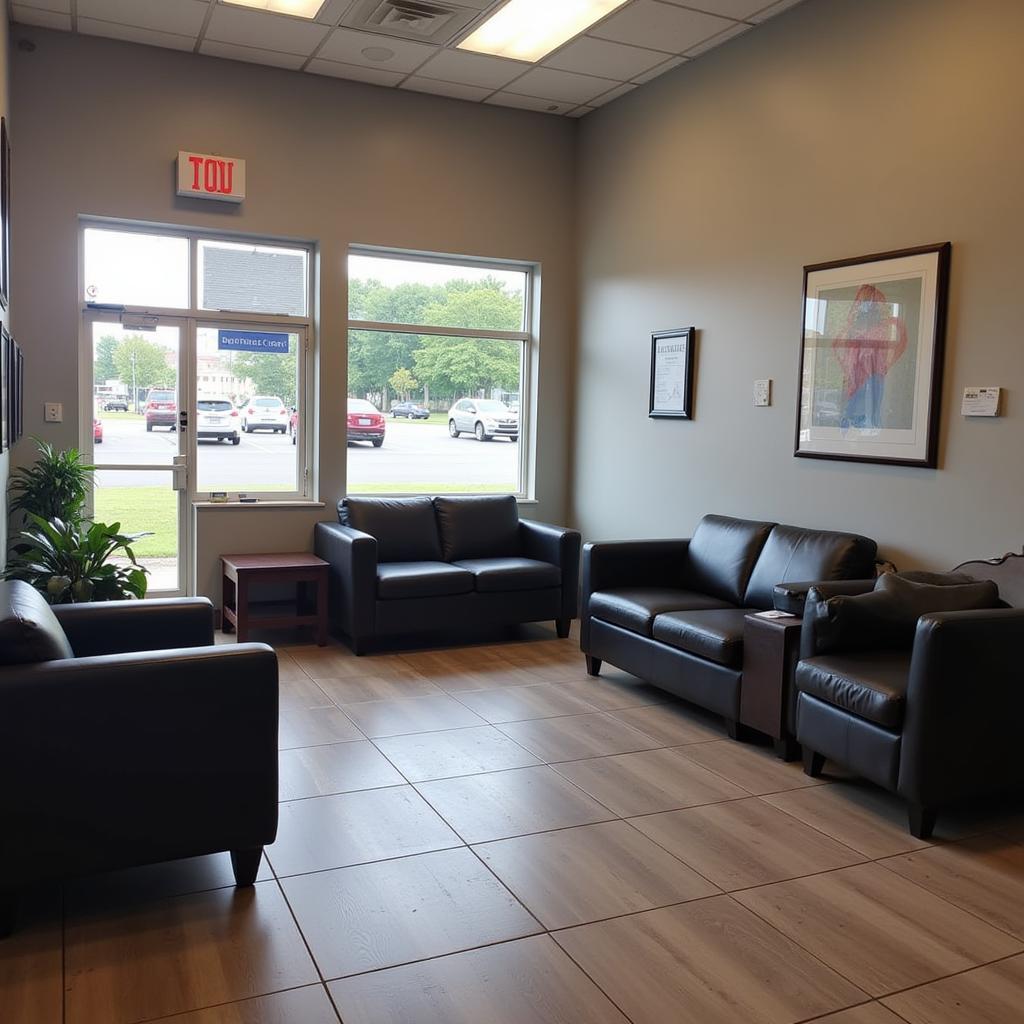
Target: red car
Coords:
[(365, 423), (161, 409), (97, 431)]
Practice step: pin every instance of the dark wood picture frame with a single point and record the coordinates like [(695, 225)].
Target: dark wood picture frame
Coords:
[(5, 214), (6, 349), (19, 398), (933, 259), (681, 406)]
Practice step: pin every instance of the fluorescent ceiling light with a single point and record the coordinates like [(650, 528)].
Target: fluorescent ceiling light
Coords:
[(298, 8), (531, 29)]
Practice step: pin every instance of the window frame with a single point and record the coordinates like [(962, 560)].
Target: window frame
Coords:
[(528, 338)]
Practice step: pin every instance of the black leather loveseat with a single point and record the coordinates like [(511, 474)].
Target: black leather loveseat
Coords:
[(411, 565), (127, 738), (672, 611)]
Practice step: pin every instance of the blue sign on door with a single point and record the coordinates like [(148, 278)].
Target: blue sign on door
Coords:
[(252, 341)]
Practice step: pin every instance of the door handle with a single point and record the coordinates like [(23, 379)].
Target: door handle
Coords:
[(179, 473)]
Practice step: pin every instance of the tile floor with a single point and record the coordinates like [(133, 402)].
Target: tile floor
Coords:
[(485, 835)]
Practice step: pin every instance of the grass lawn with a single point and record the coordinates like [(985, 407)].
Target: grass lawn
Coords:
[(435, 418), (154, 509)]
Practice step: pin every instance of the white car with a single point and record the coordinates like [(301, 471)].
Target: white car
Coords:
[(265, 412), (217, 420), (485, 418)]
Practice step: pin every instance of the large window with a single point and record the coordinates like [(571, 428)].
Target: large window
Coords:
[(438, 375)]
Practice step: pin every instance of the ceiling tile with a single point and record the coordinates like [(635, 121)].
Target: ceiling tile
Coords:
[(648, 76), (472, 69), (131, 34), (60, 6), (613, 94), (182, 17), (509, 99), (660, 26), (772, 9), (44, 19), (738, 9), (355, 73), (600, 57), (347, 45), (257, 29), (331, 12), (560, 85), (452, 89), (251, 54), (710, 44)]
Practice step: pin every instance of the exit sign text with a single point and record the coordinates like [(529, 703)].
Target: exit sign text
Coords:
[(205, 176)]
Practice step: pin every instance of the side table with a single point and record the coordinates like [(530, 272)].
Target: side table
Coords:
[(771, 648), (240, 572)]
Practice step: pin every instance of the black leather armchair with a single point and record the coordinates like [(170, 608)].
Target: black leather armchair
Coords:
[(128, 738), (932, 714)]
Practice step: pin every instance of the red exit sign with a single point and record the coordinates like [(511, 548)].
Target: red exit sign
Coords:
[(205, 176)]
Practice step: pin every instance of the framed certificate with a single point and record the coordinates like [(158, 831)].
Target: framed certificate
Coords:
[(672, 374)]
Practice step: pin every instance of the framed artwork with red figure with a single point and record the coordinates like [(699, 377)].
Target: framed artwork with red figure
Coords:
[(873, 335)]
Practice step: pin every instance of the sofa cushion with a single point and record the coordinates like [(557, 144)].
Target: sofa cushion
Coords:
[(405, 528), (478, 526), (29, 631), (494, 575), (869, 684), (636, 608), (887, 616), (721, 556), (792, 554), (715, 634), (421, 579)]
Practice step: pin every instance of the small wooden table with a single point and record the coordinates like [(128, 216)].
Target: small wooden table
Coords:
[(771, 649), (240, 572)]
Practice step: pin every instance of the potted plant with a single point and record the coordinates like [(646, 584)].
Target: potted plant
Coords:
[(55, 486)]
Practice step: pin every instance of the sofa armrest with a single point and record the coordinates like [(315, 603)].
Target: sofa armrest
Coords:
[(156, 755), (965, 703), (118, 627), (633, 563), (560, 546), (792, 597), (811, 643), (352, 577)]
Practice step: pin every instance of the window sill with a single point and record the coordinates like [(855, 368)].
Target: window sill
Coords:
[(259, 504)]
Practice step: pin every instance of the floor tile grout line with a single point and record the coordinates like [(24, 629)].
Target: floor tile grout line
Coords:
[(945, 977), (298, 928), (228, 1002)]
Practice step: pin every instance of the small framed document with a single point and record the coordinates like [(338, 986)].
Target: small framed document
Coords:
[(672, 374)]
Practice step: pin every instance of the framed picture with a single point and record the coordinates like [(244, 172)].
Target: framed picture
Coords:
[(672, 374), (5, 214), (5, 389), (19, 394), (873, 334)]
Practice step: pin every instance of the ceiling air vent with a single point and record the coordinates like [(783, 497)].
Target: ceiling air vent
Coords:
[(412, 19)]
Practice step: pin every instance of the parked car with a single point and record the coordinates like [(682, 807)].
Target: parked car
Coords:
[(115, 405), (486, 418), (410, 410), (265, 412), (217, 420), (97, 431), (161, 408), (365, 423), (293, 424)]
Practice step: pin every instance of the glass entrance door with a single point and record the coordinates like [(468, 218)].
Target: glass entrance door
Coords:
[(138, 439)]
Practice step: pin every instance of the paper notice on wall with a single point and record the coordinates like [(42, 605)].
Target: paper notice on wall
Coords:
[(980, 402)]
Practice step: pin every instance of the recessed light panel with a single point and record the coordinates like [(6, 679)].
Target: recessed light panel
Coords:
[(530, 29), (297, 8)]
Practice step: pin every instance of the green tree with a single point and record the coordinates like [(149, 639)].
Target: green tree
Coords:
[(104, 367), (270, 373), (143, 363), (465, 366), (403, 382)]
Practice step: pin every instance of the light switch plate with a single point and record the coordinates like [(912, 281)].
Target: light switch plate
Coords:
[(762, 392), (53, 412)]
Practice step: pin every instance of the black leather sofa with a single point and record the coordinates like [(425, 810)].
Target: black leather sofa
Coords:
[(672, 611), (916, 685), (411, 565), (128, 738)]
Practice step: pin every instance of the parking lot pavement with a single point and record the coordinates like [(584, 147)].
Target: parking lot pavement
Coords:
[(412, 453)]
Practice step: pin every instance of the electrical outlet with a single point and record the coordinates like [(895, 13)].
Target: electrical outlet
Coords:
[(53, 412), (762, 392)]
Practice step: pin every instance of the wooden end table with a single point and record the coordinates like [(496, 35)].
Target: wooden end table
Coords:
[(240, 572), (771, 649)]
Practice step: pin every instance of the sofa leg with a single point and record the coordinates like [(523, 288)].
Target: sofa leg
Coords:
[(8, 913), (562, 627), (246, 865), (738, 731), (922, 820), (593, 665), (787, 750), (813, 763)]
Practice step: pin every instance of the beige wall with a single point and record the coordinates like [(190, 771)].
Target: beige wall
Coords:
[(100, 123), (843, 127)]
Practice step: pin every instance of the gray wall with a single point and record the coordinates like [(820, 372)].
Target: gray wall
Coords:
[(100, 123), (843, 127), (5, 316)]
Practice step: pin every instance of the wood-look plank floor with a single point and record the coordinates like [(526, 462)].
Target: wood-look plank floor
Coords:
[(487, 834)]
